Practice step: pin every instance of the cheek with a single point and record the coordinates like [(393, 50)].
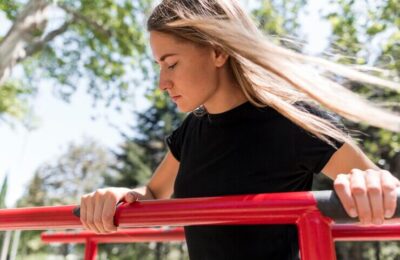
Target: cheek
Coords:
[(201, 77)]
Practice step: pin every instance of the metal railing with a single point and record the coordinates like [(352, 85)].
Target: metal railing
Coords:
[(91, 239), (313, 212)]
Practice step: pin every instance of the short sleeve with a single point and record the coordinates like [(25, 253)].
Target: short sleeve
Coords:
[(312, 153), (175, 140)]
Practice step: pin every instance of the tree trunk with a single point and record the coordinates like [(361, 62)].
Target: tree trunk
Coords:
[(32, 19), (15, 244), (158, 251), (6, 245)]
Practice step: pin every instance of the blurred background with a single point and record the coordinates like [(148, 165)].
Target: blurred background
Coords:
[(80, 108)]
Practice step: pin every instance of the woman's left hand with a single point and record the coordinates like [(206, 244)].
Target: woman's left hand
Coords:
[(371, 195)]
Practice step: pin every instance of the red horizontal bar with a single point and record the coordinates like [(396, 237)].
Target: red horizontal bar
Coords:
[(276, 208), (122, 236), (366, 233), (38, 218), (340, 232)]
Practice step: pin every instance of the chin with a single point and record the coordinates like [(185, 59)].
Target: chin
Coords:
[(186, 109)]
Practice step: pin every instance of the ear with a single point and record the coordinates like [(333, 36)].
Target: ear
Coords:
[(220, 57)]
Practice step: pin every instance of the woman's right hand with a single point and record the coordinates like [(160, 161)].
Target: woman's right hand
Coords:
[(97, 209)]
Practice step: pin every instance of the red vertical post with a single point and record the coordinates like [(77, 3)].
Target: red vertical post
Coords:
[(90, 249), (315, 237)]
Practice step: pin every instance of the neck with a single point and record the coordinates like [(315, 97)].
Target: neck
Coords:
[(225, 100)]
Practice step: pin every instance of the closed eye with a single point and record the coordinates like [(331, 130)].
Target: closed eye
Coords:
[(172, 66)]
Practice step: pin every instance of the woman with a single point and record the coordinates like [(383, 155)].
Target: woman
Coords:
[(256, 127)]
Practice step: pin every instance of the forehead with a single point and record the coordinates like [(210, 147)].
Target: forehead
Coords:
[(164, 43)]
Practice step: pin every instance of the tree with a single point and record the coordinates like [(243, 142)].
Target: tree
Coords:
[(13, 101), (78, 171), (363, 32), (3, 193), (101, 40), (368, 33)]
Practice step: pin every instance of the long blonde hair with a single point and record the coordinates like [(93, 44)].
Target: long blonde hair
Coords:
[(269, 74)]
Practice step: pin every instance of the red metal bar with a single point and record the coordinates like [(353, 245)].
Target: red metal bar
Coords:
[(90, 250), (277, 208), (315, 237), (366, 233), (38, 218), (340, 232), (122, 236)]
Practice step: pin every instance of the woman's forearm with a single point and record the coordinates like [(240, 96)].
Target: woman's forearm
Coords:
[(144, 193)]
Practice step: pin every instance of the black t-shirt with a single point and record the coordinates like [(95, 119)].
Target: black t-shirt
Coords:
[(245, 150)]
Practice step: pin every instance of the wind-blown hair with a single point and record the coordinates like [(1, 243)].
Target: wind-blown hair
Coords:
[(269, 74)]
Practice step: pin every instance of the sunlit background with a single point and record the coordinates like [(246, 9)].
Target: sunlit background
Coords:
[(82, 110)]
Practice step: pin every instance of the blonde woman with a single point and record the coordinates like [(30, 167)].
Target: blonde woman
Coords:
[(256, 125)]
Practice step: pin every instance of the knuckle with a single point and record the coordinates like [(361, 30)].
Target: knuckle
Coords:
[(358, 190), (341, 176), (110, 194), (371, 171), (340, 181), (85, 198), (388, 187), (355, 171), (339, 186), (374, 190), (98, 193)]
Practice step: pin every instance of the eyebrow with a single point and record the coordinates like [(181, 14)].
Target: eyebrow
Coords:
[(166, 56)]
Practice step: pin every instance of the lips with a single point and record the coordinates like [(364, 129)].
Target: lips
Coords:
[(174, 98)]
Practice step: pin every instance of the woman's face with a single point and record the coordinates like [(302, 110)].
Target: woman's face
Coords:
[(188, 73)]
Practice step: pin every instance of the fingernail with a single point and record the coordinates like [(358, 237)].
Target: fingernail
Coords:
[(353, 212), (388, 214)]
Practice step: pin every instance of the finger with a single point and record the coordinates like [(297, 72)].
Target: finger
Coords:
[(83, 212), (98, 211), (374, 190), (342, 188), (359, 192), (131, 197), (388, 183), (108, 215), (90, 214)]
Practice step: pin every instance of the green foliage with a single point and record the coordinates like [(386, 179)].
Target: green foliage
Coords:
[(280, 21), (78, 171), (13, 100), (101, 41), (10, 7), (279, 17), (355, 33)]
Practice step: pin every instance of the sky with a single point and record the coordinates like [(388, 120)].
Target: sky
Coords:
[(22, 151)]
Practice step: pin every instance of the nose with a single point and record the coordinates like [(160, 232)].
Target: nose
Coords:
[(164, 82)]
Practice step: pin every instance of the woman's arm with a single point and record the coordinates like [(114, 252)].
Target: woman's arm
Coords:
[(98, 208), (364, 189), (345, 159), (161, 183)]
